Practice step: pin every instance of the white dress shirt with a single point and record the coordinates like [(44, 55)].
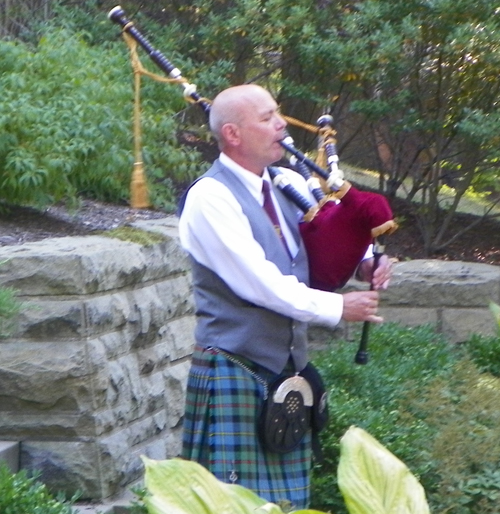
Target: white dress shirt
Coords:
[(214, 230)]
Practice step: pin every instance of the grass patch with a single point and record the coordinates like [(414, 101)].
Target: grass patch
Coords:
[(135, 235), (9, 309)]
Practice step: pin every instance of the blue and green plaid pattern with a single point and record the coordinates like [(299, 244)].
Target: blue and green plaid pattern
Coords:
[(220, 431)]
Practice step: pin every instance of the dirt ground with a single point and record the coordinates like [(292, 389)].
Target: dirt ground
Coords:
[(480, 244), (22, 225)]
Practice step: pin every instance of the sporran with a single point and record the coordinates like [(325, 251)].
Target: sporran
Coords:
[(294, 405)]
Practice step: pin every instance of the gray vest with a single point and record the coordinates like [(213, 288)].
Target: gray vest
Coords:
[(226, 321)]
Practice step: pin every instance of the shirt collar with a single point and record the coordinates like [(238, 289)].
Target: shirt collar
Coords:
[(252, 181)]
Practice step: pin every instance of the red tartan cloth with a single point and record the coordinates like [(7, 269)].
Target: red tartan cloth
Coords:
[(339, 235)]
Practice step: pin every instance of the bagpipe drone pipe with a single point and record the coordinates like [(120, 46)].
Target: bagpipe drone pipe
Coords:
[(337, 231)]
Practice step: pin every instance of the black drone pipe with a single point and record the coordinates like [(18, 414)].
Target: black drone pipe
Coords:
[(117, 14)]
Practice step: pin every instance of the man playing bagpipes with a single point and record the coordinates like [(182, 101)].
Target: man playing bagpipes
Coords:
[(253, 304)]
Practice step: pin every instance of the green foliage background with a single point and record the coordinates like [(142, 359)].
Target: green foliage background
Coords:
[(66, 117), (433, 405)]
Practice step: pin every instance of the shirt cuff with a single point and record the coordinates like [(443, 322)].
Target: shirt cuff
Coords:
[(330, 307)]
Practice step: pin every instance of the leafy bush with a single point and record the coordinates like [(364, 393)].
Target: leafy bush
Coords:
[(66, 124), (428, 403), (369, 397), (20, 494), (461, 411), (485, 351)]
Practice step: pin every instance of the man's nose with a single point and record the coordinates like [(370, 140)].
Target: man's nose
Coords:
[(280, 122)]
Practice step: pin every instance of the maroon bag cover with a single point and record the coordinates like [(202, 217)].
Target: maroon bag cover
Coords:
[(338, 237)]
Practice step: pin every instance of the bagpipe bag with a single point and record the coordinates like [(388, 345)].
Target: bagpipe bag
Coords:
[(339, 235)]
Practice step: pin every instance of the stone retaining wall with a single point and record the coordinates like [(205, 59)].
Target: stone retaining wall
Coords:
[(452, 296), (94, 374)]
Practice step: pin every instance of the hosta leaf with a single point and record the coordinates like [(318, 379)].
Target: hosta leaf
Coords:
[(177, 486), (374, 481)]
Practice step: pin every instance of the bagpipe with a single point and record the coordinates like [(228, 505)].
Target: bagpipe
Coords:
[(338, 230)]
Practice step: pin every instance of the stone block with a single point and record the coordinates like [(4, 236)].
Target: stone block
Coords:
[(411, 316), (175, 391), (112, 344), (122, 467), (71, 265), (50, 320), (460, 324), (173, 442), (70, 466), (9, 455), (23, 424), (41, 376), (108, 312), (176, 296), (434, 283), (179, 335), (165, 260)]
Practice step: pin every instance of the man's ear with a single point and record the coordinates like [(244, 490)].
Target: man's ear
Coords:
[(231, 134)]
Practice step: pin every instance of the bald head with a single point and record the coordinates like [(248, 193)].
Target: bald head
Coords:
[(232, 106), (246, 122)]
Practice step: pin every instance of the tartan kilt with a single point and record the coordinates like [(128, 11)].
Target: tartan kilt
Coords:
[(220, 431)]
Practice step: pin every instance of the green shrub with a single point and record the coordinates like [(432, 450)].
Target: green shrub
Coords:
[(428, 403), (66, 124), (485, 351), (369, 396), (461, 411), (20, 494)]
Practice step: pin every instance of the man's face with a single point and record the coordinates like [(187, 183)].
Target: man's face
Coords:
[(261, 129)]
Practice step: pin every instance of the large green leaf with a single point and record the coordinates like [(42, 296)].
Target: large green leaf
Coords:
[(177, 486), (374, 481)]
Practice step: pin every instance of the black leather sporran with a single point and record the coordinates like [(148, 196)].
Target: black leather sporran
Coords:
[(286, 416)]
